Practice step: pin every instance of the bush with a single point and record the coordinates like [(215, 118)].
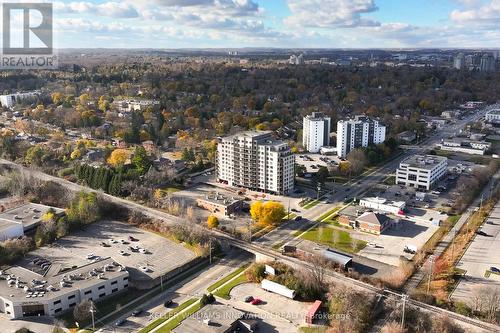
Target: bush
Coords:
[(24, 330), (462, 308), (212, 222), (424, 298), (207, 299), (84, 209), (256, 272)]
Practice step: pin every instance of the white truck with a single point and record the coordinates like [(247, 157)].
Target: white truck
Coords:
[(277, 288), (409, 248)]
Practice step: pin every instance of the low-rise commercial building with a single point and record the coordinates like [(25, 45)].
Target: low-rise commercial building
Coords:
[(383, 205), (465, 146), (15, 221), (26, 293), (216, 318), (407, 136), (220, 204), (373, 223), (421, 171), (129, 105), (493, 116)]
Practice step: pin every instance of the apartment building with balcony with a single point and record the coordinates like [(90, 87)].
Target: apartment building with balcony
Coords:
[(255, 160), (358, 132)]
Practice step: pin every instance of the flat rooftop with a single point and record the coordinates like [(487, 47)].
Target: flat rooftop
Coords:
[(220, 199), (247, 134), (30, 214), (423, 161), (82, 247), (384, 201), (22, 283)]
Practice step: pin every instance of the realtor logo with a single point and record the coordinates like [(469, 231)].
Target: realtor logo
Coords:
[(27, 36)]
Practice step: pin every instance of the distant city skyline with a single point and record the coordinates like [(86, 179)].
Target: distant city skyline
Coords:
[(277, 23)]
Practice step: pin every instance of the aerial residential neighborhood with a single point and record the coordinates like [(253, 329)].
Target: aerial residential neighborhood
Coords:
[(250, 166)]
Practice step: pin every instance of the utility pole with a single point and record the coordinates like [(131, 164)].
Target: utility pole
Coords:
[(405, 297), (210, 249), (319, 189), (288, 209), (431, 263)]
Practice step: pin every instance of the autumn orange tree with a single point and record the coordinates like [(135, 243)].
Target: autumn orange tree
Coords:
[(118, 157), (267, 213)]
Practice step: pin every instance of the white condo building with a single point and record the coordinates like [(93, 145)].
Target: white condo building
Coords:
[(256, 161), (421, 171), (358, 132), (315, 132), (8, 101)]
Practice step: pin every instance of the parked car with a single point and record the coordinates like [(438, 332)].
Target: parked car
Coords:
[(298, 218), (256, 301), (494, 270), (248, 299), (137, 312), (168, 303), (132, 239), (482, 233), (120, 322)]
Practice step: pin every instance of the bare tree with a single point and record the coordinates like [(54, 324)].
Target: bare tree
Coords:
[(357, 160), (486, 299), (81, 312)]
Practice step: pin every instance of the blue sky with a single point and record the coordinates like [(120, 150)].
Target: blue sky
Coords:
[(277, 23)]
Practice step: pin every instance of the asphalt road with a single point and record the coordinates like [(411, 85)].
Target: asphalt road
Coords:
[(193, 286)]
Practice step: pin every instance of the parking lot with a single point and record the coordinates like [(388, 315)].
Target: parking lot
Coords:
[(482, 254), (160, 254), (277, 313), (390, 245), (312, 162)]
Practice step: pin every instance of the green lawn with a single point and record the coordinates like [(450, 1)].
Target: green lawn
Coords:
[(170, 190), (334, 238), (311, 204), (226, 290), (169, 315), (289, 217), (328, 213), (178, 319), (226, 278)]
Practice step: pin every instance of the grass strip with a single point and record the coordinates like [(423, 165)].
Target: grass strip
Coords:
[(168, 315), (311, 204), (226, 278), (177, 320), (328, 213), (225, 290)]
